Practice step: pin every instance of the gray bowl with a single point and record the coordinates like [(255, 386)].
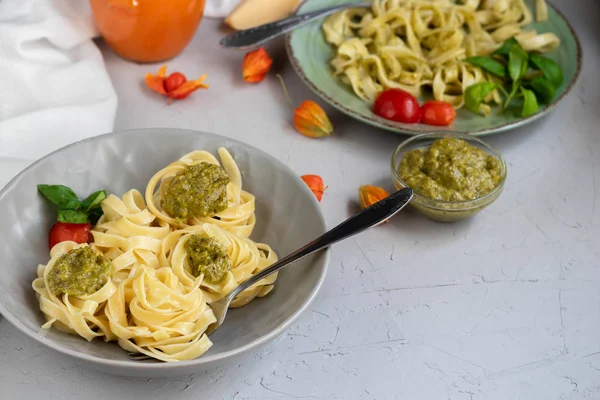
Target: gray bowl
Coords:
[(288, 216)]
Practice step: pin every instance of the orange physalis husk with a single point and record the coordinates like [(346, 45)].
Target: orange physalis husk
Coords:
[(256, 65), (188, 87), (315, 183), (157, 83), (369, 195), (310, 120)]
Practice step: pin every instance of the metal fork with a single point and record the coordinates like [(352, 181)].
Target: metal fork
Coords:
[(369, 217), (253, 37)]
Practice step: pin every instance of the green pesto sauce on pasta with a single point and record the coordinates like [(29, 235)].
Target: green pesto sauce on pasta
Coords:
[(80, 272), (199, 191), (207, 256)]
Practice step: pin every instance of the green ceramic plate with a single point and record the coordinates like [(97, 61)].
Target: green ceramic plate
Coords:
[(310, 56)]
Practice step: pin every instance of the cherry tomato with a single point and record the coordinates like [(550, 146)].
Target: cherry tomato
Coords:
[(174, 80), (436, 112), (397, 105), (61, 232)]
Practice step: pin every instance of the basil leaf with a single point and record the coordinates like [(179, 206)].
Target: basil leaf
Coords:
[(505, 48), (72, 216), (476, 93), (94, 215), (549, 67), (544, 89), (488, 64), (518, 62), (61, 196), (530, 104), (93, 200)]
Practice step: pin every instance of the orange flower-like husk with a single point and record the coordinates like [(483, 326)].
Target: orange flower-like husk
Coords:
[(188, 87), (310, 120), (157, 83), (369, 195), (256, 65), (315, 183)]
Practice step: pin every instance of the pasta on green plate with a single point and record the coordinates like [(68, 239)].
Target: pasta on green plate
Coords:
[(420, 45)]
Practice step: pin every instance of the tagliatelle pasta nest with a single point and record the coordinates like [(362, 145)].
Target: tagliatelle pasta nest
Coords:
[(417, 44), (238, 217), (153, 303)]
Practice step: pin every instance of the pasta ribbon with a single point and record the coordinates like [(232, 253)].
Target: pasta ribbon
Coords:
[(129, 234), (153, 313)]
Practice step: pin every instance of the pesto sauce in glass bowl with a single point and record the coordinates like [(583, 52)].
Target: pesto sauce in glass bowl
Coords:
[(450, 170), (454, 176)]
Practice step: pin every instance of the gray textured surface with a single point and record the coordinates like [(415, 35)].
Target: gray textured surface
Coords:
[(505, 306)]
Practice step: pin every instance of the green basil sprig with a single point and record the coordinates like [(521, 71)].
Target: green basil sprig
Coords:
[(532, 77), (70, 209), (518, 63)]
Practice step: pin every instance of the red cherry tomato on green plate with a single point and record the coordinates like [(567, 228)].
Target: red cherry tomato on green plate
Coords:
[(174, 80), (436, 112), (62, 232), (397, 105)]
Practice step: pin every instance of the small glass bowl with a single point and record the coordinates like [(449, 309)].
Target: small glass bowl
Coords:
[(446, 211)]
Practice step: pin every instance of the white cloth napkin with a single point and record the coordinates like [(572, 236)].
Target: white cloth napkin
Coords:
[(220, 8), (54, 88)]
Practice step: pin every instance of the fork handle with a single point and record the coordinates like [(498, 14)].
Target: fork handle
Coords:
[(371, 216), (256, 36)]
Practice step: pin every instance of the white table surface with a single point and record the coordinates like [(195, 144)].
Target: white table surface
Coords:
[(504, 306)]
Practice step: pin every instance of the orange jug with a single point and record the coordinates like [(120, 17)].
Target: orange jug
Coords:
[(147, 30)]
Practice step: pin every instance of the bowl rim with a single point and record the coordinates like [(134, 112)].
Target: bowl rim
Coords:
[(202, 360), (439, 204)]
